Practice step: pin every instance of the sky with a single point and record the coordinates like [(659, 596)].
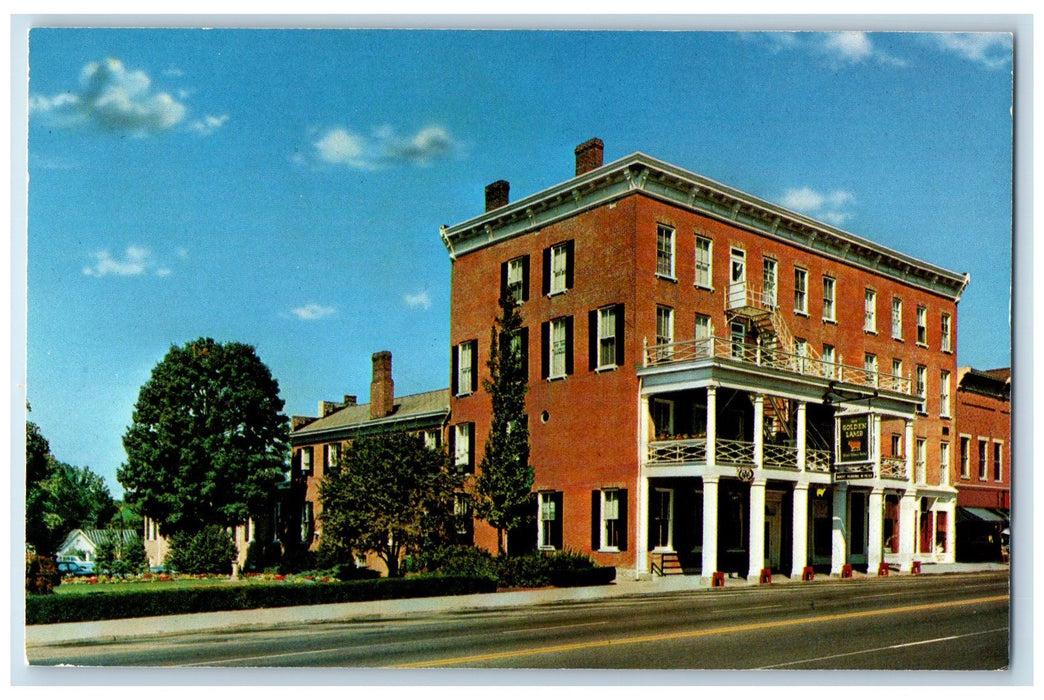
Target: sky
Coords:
[(285, 188)]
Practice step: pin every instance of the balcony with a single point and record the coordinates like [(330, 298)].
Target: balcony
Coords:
[(669, 451), (754, 355), (893, 468)]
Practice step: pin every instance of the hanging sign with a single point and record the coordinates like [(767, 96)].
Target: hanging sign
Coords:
[(853, 439)]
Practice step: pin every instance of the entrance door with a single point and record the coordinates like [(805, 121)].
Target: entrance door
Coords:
[(663, 520), (773, 529)]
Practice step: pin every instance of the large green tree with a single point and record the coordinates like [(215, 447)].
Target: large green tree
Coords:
[(502, 488), (208, 441), (389, 495), (59, 497)]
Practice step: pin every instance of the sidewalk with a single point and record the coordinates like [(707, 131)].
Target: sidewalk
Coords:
[(625, 585)]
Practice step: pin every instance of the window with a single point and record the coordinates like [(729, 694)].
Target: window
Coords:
[(703, 327), (897, 367), (463, 447), (998, 467), (944, 463), (306, 461), (982, 459), (870, 311), (738, 335), (801, 350), (514, 279), (704, 262), (800, 291), (829, 290), (462, 515), (557, 348), (307, 522), (609, 520), (606, 326), (665, 251), (922, 325), (663, 519), (664, 325), (432, 439), (921, 463), (870, 365), (944, 394), (768, 282), (663, 417), (829, 362), (558, 268), (549, 520), (945, 333), (897, 445), (922, 388), (331, 455), (897, 318), (965, 457), (465, 376)]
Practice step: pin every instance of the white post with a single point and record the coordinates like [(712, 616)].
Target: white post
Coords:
[(907, 530), (756, 545), (911, 449), (875, 530), (800, 530), (839, 530), (712, 425), (951, 531), (802, 451), (759, 431), (710, 526), (641, 564)]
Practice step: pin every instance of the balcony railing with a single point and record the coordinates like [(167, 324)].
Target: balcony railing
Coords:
[(818, 460), (678, 451), (893, 468), (684, 351), (779, 457), (666, 452)]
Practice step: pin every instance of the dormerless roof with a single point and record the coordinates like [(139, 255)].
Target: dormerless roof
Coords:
[(414, 410), (639, 173)]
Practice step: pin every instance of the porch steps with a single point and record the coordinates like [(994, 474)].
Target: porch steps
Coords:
[(666, 564)]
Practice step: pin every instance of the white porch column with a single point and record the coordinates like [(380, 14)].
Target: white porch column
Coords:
[(712, 424), (641, 564), (911, 449), (759, 430), (875, 530), (907, 529), (800, 530), (756, 544), (839, 530), (951, 531), (875, 442), (802, 450), (710, 526)]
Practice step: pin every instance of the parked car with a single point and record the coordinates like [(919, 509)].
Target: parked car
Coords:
[(75, 567)]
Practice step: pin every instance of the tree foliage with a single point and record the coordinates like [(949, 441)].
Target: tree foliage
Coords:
[(208, 441), (211, 550), (505, 478), (60, 497), (390, 495), (115, 555)]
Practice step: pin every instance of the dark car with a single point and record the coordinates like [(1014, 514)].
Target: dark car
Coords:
[(75, 568)]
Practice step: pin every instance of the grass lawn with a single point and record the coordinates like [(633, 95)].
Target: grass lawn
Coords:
[(68, 588)]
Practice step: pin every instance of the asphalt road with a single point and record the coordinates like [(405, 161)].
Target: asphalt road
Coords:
[(947, 622)]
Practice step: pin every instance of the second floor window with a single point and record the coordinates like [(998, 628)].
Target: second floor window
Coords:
[(944, 463), (557, 348), (921, 464), (558, 268), (768, 282), (514, 279), (998, 467), (829, 362), (606, 337), (665, 251), (897, 318), (306, 460), (829, 289), (463, 447), (870, 365), (945, 333), (664, 325), (870, 311), (922, 388), (704, 262), (944, 393), (800, 290), (465, 376), (965, 457)]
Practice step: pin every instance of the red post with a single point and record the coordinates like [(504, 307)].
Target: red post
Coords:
[(915, 568), (808, 574), (846, 571), (718, 579), (882, 569), (766, 576)]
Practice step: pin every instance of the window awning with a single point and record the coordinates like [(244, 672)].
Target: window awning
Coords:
[(984, 514)]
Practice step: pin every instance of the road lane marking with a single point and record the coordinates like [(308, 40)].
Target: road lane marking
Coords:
[(887, 648), (691, 634)]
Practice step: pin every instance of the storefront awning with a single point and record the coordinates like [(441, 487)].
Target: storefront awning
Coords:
[(983, 514)]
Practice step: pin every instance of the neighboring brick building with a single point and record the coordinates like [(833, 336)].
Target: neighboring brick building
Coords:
[(317, 442), (692, 352), (982, 472)]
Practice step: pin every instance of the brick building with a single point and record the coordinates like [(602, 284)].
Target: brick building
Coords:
[(983, 465), (317, 442), (716, 383)]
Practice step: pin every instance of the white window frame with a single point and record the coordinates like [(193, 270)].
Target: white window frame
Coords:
[(607, 320), (922, 326), (545, 508), (465, 366), (665, 254), (331, 454), (944, 463), (945, 338), (921, 460), (770, 282), (869, 311), (515, 278), (559, 268), (897, 367), (897, 318), (704, 327), (664, 325), (557, 348), (870, 367), (610, 512), (829, 360), (984, 458), (462, 445), (307, 458), (944, 393), (669, 494), (431, 439), (922, 388), (829, 299), (965, 455), (704, 259), (998, 461), (801, 291)]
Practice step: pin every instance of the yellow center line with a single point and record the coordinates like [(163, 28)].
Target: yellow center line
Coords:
[(691, 634)]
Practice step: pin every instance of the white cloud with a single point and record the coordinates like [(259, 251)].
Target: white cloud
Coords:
[(829, 207), (208, 124), (991, 50), (312, 312), (850, 46), (841, 48), (136, 261), (383, 147), (420, 300)]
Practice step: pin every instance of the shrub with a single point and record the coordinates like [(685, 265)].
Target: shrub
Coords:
[(530, 570), (209, 551), (456, 560), (296, 559), (41, 576)]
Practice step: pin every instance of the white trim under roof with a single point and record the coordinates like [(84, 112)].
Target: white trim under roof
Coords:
[(641, 173)]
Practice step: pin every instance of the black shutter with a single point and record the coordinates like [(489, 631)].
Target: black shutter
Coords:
[(452, 441), (545, 349), (569, 345), (523, 345), (592, 339), (525, 278), (471, 448), (596, 520), (503, 280), (569, 264), (622, 521), (619, 312), (556, 524), (546, 273), (454, 389), (474, 365)]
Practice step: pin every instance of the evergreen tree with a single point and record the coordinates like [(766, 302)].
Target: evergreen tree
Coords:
[(502, 489)]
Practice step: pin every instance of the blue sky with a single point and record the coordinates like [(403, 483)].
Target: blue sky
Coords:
[(286, 188)]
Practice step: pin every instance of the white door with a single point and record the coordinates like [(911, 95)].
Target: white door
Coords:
[(738, 279)]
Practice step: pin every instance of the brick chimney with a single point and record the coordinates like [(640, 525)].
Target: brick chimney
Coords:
[(497, 194), (382, 388), (589, 156), (350, 400)]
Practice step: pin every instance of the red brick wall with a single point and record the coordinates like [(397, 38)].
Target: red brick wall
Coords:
[(990, 418)]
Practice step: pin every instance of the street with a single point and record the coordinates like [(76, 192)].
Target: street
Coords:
[(942, 622)]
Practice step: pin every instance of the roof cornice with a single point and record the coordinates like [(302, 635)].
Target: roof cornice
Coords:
[(639, 173), (306, 436)]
